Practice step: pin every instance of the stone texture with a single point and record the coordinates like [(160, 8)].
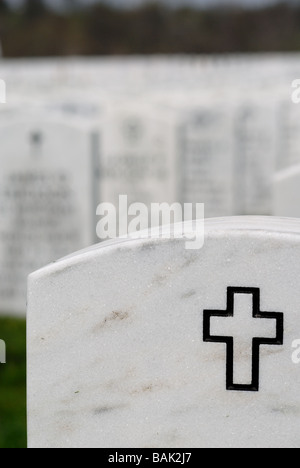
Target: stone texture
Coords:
[(116, 349)]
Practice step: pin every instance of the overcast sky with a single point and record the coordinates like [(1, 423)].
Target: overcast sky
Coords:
[(201, 3)]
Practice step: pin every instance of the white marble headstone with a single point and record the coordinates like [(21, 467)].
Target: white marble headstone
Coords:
[(288, 145), (141, 343), (139, 155), (47, 206), (255, 155), (286, 192), (207, 165)]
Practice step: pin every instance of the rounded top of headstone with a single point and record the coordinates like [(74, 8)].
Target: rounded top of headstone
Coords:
[(147, 344), (180, 233)]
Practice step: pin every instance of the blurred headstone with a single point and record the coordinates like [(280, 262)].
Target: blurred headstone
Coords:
[(207, 162), (288, 152), (255, 156), (47, 200), (139, 155)]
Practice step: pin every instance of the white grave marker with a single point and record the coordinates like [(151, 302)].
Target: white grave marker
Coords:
[(207, 166), (141, 343), (139, 150), (255, 158), (288, 146), (47, 206)]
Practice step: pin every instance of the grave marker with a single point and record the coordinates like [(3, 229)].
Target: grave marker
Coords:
[(288, 135), (46, 201), (208, 161), (141, 343), (139, 155)]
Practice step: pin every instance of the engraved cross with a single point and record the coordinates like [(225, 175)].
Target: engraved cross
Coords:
[(243, 328)]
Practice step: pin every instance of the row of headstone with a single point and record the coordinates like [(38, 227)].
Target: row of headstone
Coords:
[(142, 343), (54, 175), (212, 146), (164, 73), (221, 152)]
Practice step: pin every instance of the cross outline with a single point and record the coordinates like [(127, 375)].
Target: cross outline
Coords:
[(256, 342)]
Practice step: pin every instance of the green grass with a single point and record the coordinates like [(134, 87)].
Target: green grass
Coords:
[(13, 385)]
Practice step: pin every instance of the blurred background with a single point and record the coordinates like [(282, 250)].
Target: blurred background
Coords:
[(167, 101), (121, 27)]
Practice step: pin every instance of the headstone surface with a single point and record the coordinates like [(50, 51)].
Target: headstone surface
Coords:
[(46, 201), (141, 343)]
